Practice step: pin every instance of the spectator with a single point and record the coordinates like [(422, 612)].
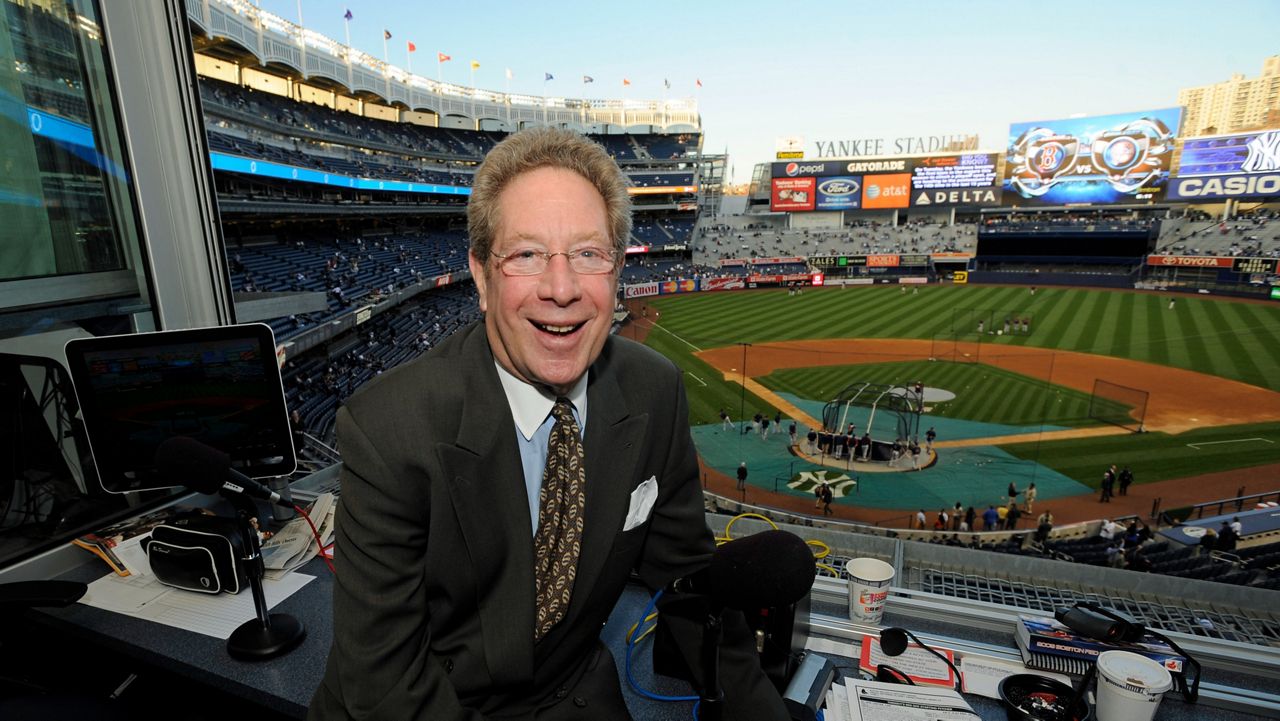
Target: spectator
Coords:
[(1044, 526), (920, 519), (989, 518), (1030, 497), (1208, 542), (1012, 516), (742, 476), (1126, 479)]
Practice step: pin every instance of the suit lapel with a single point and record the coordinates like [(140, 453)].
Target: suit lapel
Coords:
[(613, 442), (487, 488)]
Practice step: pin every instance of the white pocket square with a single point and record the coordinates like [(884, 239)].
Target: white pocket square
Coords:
[(642, 499)]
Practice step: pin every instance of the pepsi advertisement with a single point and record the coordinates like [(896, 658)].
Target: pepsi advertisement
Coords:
[(1229, 166), (839, 193), (1120, 158)]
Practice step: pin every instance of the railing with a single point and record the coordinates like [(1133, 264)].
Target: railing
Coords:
[(1173, 516)]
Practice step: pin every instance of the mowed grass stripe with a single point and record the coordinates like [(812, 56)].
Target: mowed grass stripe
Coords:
[(1262, 338), (1193, 327), (1083, 305), (1228, 346), (1063, 306), (1156, 349), (1099, 326), (1122, 337)]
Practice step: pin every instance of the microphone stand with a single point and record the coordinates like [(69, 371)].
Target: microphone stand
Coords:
[(270, 634), (711, 703)]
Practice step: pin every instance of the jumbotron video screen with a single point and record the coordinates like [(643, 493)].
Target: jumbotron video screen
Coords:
[(1120, 158)]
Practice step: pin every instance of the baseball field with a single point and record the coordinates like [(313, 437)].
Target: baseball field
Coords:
[(1200, 376)]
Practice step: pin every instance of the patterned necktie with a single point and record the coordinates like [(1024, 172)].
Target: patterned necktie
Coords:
[(560, 507)]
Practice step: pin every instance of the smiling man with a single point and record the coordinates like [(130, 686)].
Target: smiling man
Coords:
[(498, 492)]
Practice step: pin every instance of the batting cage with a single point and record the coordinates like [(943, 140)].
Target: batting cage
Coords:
[(889, 414), (1119, 405)]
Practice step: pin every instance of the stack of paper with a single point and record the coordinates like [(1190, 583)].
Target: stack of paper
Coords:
[(857, 700), (294, 544)]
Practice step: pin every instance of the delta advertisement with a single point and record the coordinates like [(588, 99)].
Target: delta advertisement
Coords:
[(965, 179), (1120, 158), (1242, 165)]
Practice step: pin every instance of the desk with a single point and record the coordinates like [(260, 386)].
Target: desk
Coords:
[(285, 685)]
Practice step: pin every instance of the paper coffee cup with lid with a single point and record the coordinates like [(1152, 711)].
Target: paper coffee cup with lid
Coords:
[(1130, 686)]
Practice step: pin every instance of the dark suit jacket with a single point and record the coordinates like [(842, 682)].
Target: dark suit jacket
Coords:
[(434, 599)]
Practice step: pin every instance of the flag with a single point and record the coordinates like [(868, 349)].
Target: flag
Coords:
[(386, 34), (475, 64), (625, 82), (413, 48), (667, 83), (587, 79), (347, 15), (699, 82), (549, 77), (442, 58), (509, 73)]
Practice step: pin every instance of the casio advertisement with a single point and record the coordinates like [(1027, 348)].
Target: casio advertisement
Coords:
[(1229, 166)]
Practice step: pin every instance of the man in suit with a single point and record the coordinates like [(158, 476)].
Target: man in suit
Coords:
[(478, 558)]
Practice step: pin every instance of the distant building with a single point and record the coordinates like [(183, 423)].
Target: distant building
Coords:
[(1234, 105)]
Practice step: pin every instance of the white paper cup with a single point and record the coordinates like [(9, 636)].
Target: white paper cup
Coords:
[(1130, 686), (869, 580)]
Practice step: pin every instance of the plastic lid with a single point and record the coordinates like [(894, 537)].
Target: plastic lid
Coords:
[(1137, 672)]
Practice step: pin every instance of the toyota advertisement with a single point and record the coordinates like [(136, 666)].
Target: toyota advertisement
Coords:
[(1228, 166), (1120, 158)]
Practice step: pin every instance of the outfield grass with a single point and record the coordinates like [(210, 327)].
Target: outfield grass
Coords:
[(1234, 340), (1159, 456), (983, 393), (705, 387)]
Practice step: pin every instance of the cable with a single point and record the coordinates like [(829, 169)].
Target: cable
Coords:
[(316, 534), (631, 644)]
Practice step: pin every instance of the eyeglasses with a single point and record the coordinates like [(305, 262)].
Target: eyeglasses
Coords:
[(532, 261)]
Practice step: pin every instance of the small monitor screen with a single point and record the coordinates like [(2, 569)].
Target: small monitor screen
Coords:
[(219, 386)]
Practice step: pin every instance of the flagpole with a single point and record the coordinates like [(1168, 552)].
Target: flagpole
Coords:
[(473, 95), (409, 55), (385, 61), (582, 105), (508, 74), (544, 98)]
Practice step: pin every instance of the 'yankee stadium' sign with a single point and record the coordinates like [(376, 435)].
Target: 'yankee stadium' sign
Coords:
[(916, 144)]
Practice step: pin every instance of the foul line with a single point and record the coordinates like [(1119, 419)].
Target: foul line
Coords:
[(696, 378), (1236, 440), (673, 335)]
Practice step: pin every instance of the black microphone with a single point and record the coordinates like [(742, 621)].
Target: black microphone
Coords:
[(763, 570), (206, 469), (893, 641)]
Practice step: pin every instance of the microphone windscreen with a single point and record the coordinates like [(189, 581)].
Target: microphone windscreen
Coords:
[(193, 464), (764, 570), (893, 641)]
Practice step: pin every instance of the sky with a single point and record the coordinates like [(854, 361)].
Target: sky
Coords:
[(827, 71)]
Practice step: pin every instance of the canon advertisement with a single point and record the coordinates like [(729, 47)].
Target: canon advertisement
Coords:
[(1101, 159), (1245, 165)]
